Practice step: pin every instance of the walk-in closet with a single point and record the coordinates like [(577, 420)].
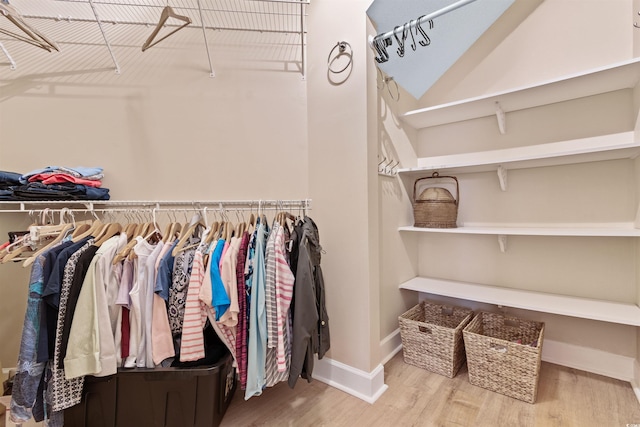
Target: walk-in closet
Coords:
[(380, 181)]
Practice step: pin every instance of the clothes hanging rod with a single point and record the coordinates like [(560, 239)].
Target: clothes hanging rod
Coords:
[(421, 20), (111, 205)]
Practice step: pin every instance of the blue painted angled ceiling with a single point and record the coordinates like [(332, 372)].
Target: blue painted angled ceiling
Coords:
[(420, 57)]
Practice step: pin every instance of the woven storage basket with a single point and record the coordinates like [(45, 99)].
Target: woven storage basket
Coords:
[(435, 207), (503, 354), (432, 337)]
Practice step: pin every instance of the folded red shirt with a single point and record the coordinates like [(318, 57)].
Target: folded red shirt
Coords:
[(58, 178)]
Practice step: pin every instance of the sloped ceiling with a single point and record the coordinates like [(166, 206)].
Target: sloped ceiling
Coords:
[(458, 39)]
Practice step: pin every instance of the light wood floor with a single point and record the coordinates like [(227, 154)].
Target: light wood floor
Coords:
[(415, 397)]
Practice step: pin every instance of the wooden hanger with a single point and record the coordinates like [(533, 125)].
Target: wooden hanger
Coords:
[(80, 229), (167, 13), (140, 230), (108, 232), (196, 222), (34, 37)]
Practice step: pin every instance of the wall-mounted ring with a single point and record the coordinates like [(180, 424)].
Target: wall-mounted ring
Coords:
[(344, 49), (386, 81)]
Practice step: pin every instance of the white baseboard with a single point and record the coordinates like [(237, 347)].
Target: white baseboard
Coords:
[(590, 360), (367, 386), (635, 384), (390, 346)]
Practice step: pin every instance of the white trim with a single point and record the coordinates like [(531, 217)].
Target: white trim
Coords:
[(590, 360), (390, 346), (635, 383), (367, 386)]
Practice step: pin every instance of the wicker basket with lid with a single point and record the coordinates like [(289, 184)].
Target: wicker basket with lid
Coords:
[(435, 207)]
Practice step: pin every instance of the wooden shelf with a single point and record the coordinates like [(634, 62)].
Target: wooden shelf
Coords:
[(606, 311), (618, 76), (607, 147), (567, 230)]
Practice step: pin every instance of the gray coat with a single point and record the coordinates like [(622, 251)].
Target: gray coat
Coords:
[(310, 320)]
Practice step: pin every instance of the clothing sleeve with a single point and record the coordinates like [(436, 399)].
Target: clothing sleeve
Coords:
[(83, 348), (284, 295), (305, 319), (192, 343), (106, 335)]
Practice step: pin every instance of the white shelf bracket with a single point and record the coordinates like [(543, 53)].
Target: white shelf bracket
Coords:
[(106, 40), (212, 73), (502, 241), (502, 177), (12, 63), (502, 119)]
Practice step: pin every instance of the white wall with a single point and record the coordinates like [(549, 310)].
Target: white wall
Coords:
[(162, 129), (560, 37), (595, 33), (339, 173)]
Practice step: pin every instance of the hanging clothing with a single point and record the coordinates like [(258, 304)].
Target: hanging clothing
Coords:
[(178, 290), (91, 348), (241, 337), (124, 301), (219, 296), (65, 393), (162, 340), (26, 402), (195, 315), (310, 320), (257, 347)]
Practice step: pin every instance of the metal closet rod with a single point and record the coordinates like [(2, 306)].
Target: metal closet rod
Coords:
[(150, 206), (421, 20)]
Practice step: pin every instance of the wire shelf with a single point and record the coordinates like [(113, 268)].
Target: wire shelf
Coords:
[(282, 18)]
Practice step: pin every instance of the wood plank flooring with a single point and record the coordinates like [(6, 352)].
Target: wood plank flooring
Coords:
[(416, 397)]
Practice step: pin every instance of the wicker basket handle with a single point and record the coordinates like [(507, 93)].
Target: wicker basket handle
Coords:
[(497, 347), (436, 175)]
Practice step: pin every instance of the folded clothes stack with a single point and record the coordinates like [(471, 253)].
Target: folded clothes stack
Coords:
[(54, 183)]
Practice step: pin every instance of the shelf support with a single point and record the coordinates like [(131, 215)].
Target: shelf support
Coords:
[(212, 73), (502, 241), (502, 177), (12, 63), (104, 35), (502, 119)]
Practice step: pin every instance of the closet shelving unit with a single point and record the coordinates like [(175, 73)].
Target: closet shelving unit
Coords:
[(625, 145), (263, 16)]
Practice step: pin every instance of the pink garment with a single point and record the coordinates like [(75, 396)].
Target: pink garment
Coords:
[(192, 342), (229, 278), (284, 294), (161, 338), (59, 178)]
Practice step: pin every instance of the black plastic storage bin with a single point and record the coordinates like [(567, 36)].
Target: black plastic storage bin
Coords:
[(171, 397)]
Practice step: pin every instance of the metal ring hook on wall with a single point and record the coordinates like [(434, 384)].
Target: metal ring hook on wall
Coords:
[(344, 49), (386, 81)]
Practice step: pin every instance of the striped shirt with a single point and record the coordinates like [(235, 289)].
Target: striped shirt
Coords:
[(192, 342)]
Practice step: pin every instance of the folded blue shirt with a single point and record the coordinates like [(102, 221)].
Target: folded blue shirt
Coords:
[(78, 171)]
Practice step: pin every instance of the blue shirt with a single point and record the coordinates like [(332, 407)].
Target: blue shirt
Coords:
[(220, 300)]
